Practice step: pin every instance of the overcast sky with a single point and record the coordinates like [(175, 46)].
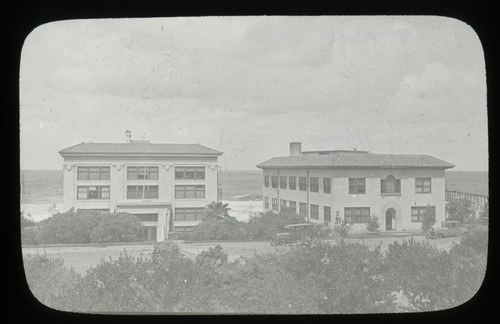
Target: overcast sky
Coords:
[(248, 86)]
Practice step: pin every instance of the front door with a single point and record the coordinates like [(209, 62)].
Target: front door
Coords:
[(390, 219)]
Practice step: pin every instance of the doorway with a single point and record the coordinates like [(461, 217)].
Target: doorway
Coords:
[(390, 219)]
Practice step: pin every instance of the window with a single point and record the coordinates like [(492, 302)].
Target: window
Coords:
[(327, 211), (179, 229), (189, 192), (282, 204), (142, 173), (274, 181), (314, 211), (189, 214), (303, 209), (292, 184), (357, 186), (189, 173), (92, 192), (358, 215), (418, 213), (423, 185), (327, 185), (266, 180), (275, 204), (93, 173), (282, 182), (302, 183), (390, 185), (142, 192), (266, 202), (314, 184), (292, 205)]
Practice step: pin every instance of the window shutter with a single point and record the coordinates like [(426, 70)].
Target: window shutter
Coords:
[(398, 186), (382, 185)]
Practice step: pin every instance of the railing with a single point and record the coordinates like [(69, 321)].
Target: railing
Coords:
[(478, 201)]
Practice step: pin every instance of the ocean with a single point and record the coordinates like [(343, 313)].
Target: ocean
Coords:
[(42, 190)]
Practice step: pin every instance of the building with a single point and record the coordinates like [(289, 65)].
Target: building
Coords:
[(165, 185), (320, 185)]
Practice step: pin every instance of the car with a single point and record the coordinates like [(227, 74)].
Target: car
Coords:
[(294, 233), (447, 229)]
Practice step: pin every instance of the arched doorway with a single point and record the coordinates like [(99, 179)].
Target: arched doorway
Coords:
[(390, 219)]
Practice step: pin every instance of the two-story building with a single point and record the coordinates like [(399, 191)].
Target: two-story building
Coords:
[(164, 185), (356, 185)]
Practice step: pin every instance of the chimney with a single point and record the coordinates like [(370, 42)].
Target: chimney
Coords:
[(128, 135), (295, 149)]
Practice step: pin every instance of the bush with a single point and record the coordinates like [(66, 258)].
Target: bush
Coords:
[(429, 219), (117, 227), (50, 281), (29, 236), (228, 228), (373, 224), (460, 210), (264, 226), (69, 227)]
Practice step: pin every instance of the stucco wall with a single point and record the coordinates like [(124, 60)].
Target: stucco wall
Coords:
[(340, 198), (118, 180)]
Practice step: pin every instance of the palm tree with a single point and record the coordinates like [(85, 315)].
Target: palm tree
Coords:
[(217, 210)]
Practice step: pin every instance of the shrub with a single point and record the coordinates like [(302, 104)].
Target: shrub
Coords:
[(50, 281), (66, 227), (228, 228), (117, 227), (340, 227), (429, 219), (264, 226), (373, 224), (26, 220), (217, 210), (214, 256), (460, 210)]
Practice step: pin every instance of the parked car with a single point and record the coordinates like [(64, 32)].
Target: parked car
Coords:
[(294, 233), (447, 229)]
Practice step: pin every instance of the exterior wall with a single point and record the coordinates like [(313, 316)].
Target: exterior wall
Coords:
[(118, 183), (379, 203)]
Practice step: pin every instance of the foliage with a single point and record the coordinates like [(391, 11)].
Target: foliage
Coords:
[(420, 271), (340, 227), (69, 227), (318, 278), (373, 224), (460, 210), (429, 219), (265, 225), (228, 228), (49, 280), (214, 256), (348, 276), (217, 210), (486, 209), (117, 227)]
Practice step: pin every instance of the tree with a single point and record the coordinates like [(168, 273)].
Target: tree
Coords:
[(217, 210), (460, 210), (429, 219), (340, 227), (373, 224)]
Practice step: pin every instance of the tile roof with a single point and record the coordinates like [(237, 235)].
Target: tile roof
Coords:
[(357, 160), (138, 148)]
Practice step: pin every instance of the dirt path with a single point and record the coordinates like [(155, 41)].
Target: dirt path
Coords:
[(83, 257)]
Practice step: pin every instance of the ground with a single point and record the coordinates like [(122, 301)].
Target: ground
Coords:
[(83, 257)]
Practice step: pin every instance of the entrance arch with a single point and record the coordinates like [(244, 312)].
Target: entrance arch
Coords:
[(390, 219)]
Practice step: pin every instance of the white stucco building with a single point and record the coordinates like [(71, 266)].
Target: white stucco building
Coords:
[(397, 188), (166, 185)]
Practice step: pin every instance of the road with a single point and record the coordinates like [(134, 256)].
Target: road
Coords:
[(83, 257)]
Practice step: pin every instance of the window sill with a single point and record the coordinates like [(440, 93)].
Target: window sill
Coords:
[(391, 194)]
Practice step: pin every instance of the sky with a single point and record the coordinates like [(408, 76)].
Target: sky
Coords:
[(248, 86)]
